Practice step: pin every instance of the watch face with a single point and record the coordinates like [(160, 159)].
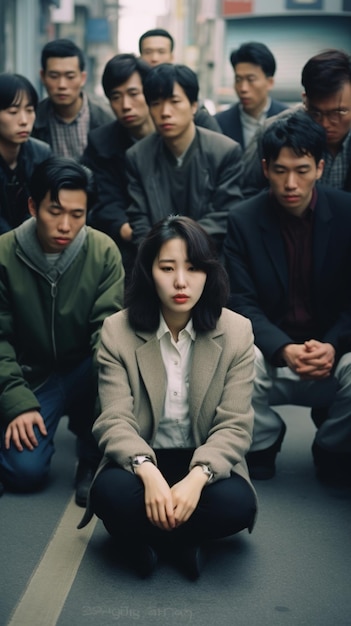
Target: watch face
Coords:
[(138, 460), (206, 470)]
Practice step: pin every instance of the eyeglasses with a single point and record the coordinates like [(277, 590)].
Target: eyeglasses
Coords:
[(335, 116)]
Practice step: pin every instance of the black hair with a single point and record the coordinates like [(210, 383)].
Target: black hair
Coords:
[(141, 297), (326, 73), (11, 88), (156, 32), (56, 173), (159, 82), (62, 48), (256, 53), (298, 132), (120, 68)]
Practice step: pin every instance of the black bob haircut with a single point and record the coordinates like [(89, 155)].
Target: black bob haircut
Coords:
[(61, 48), (56, 173), (298, 132), (142, 300), (156, 32), (12, 86), (256, 53), (159, 82), (120, 68)]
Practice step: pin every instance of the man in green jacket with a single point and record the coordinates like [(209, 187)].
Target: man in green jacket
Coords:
[(59, 279)]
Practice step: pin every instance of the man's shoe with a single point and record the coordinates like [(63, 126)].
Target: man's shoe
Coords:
[(84, 477), (261, 464), (319, 415), (332, 468), (192, 560)]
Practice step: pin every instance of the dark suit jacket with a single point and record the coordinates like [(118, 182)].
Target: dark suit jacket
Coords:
[(105, 156), (230, 122), (31, 153), (257, 265), (216, 171)]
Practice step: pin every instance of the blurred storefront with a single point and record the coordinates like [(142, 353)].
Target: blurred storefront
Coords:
[(294, 30), (26, 25), (23, 25), (205, 32)]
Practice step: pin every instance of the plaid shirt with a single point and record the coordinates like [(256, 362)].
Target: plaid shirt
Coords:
[(336, 167), (70, 140)]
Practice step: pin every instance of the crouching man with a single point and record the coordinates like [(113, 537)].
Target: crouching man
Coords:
[(59, 279), (288, 253)]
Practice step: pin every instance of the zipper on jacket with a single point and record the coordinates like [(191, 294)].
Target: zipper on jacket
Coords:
[(53, 302), (53, 290)]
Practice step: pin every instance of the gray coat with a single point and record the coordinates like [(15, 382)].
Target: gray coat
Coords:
[(216, 171)]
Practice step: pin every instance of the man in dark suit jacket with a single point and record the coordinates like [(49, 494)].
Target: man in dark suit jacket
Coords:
[(105, 154), (254, 68), (182, 169), (288, 253)]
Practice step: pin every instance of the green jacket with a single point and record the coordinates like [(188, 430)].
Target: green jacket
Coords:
[(51, 316)]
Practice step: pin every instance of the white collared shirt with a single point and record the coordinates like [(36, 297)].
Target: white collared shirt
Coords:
[(174, 429)]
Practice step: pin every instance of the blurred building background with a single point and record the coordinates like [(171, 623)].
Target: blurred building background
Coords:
[(205, 32)]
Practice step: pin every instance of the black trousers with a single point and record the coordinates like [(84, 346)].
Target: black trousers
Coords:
[(225, 507)]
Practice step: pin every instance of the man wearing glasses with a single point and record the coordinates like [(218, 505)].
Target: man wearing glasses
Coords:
[(326, 79)]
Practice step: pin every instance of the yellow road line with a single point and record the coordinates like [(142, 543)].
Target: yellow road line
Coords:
[(50, 584)]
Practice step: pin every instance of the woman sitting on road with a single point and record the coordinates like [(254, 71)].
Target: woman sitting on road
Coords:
[(176, 372)]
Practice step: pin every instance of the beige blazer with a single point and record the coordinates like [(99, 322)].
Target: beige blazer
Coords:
[(132, 384)]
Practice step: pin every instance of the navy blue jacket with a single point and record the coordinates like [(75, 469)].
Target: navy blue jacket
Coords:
[(230, 122)]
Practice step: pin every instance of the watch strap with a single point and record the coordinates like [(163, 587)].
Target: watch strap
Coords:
[(206, 470)]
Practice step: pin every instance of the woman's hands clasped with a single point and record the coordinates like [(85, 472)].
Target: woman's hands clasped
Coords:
[(168, 507)]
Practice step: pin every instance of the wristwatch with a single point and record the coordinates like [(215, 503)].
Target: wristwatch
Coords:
[(140, 459), (206, 470)]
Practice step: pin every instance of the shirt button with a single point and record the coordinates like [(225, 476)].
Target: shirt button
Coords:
[(175, 393)]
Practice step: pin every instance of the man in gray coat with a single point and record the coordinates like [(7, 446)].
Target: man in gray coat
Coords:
[(181, 169)]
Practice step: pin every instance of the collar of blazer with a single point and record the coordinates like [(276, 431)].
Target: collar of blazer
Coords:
[(207, 352)]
